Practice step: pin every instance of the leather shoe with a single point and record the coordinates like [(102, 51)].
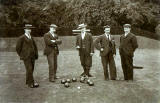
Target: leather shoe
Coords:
[(56, 77), (82, 74), (89, 75), (35, 85)]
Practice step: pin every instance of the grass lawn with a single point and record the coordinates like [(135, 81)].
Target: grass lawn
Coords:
[(144, 89)]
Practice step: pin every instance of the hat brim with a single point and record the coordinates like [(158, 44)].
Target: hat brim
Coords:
[(29, 27), (81, 27), (127, 26)]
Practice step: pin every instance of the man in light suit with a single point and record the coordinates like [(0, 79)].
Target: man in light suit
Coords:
[(27, 50), (106, 45), (51, 51), (128, 45), (84, 44)]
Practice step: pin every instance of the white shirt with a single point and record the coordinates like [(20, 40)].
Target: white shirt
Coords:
[(83, 35), (28, 35), (126, 34), (108, 36), (52, 34)]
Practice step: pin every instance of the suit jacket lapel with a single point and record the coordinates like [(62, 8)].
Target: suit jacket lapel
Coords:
[(105, 37), (80, 40), (85, 37), (52, 38), (26, 38), (127, 37)]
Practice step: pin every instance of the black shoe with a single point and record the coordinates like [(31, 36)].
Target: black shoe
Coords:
[(106, 79), (52, 80), (35, 85), (56, 77), (89, 75), (82, 74), (130, 80)]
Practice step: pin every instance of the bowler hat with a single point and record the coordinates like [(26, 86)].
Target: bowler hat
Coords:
[(81, 26), (28, 26), (107, 26)]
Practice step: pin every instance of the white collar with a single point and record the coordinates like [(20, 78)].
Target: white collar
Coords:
[(52, 34), (83, 35), (125, 34), (108, 36), (28, 35)]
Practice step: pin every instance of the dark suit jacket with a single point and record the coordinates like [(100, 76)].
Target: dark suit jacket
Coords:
[(128, 44), (26, 48), (88, 43), (51, 46), (108, 45)]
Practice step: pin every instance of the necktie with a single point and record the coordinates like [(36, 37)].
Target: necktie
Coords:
[(108, 37)]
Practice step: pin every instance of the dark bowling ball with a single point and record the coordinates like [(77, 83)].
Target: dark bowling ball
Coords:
[(68, 80), (63, 81), (91, 83), (66, 85), (74, 79), (82, 79)]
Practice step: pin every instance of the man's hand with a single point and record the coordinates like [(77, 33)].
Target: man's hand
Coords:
[(53, 41), (58, 41), (114, 55), (77, 47), (91, 54), (101, 49)]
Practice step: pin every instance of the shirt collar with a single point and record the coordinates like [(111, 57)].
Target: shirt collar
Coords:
[(28, 35), (107, 34), (52, 34), (125, 34)]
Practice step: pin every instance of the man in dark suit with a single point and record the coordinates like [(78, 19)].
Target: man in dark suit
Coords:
[(106, 45), (51, 51), (27, 50), (84, 44), (128, 45)]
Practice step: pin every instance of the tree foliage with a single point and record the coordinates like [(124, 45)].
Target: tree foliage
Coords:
[(70, 13)]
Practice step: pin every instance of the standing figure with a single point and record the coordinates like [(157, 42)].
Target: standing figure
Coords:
[(128, 45), (84, 44), (106, 45), (27, 50), (51, 51)]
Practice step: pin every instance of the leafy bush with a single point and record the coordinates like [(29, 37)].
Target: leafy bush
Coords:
[(69, 13)]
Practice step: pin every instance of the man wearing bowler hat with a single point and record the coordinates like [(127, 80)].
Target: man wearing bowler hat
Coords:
[(84, 44), (106, 45), (27, 50), (51, 51), (128, 45)]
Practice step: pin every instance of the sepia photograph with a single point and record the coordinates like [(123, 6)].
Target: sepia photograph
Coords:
[(79, 51)]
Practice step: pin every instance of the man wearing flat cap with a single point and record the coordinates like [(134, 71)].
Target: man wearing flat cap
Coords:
[(27, 50), (106, 45), (51, 51), (128, 45), (84, 44)]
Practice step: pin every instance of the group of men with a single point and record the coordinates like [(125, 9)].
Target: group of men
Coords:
[(27, 50)]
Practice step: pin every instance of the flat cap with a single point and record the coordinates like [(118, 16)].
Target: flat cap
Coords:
[(53, 25), (127, 25)]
